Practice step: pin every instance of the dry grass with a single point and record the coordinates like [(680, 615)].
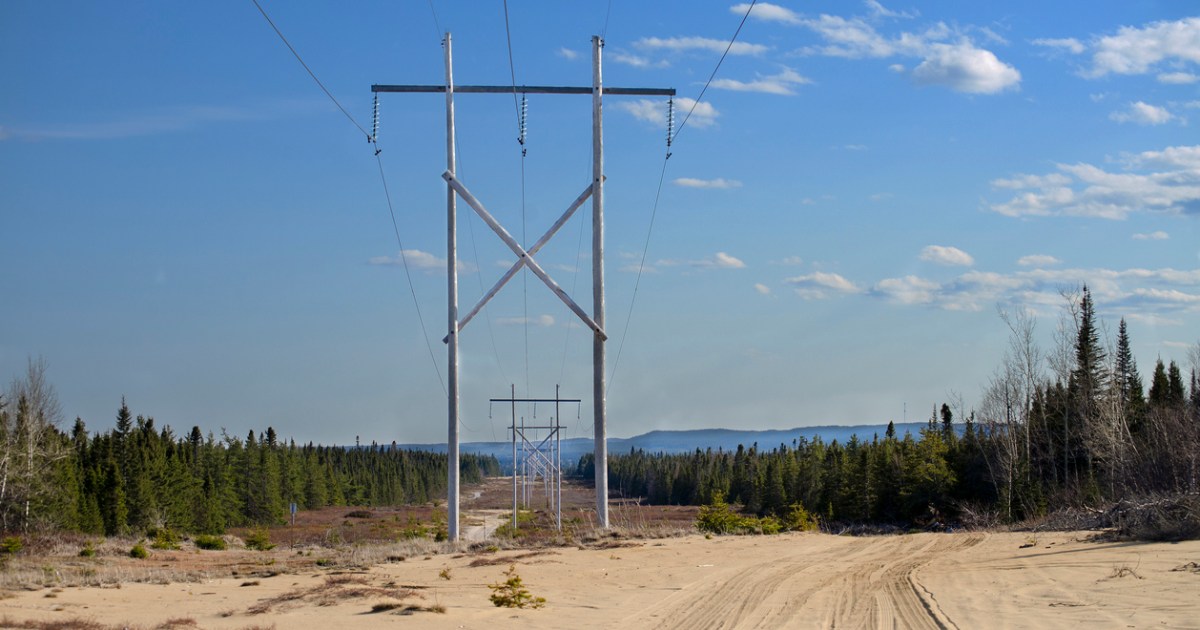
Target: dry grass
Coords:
[(79, 623), (334, 590)]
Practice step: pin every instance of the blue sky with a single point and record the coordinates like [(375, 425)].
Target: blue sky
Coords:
[(190, 223)]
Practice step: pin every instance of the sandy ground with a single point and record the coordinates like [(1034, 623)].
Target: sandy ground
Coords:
[(960, 580)]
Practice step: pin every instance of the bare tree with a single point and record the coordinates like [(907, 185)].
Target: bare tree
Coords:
[(29, 444)]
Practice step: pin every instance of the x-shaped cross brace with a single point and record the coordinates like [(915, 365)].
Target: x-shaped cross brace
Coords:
[(524, 258)]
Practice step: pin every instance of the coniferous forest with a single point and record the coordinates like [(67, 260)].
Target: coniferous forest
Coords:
[(1070, 427), (137, 476)]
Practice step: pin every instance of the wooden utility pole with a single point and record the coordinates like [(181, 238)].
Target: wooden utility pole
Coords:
[(595, 321)]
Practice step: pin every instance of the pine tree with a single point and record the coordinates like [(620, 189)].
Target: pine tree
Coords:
[(1160, 386), (1175, 391), (1127, 382)]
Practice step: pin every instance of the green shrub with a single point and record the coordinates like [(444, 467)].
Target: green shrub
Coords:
[(88, 550), (164, 538), (10, 545), (769, 525), (139, 551), (211, 543), (259, 540), (798, 519), (512, 593), (719, 518)]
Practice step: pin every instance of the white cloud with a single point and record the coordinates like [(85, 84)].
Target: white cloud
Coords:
[(878, 11), (544, 321), (703, 114), (1143, 114), (964, 68), (944, 255), (815, 286), (780, 83), (1038, 260), (1069, 44), (792, 260), (720, 260), (718, 183), (636, 268), (567, 53), (682, 44), (907, 290), (1178, 78), (1183, 345), (898, 68), (762, 288), (1137, 50), (1152, 236), (635, 60), (1172, 187), (767, 12), (420, 260), (1153, 320), (1144, 294)]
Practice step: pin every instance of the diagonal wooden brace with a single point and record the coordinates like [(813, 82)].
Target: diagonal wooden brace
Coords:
[(524, 257), (512, 271)]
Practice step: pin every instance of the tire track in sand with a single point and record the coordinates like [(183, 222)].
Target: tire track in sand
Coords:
[(869, 582)]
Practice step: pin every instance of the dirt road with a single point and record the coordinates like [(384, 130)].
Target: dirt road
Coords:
[(961, 580)]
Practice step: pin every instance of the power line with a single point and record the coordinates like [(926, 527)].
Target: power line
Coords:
[(310, 72), (658, 193), (383, 179), (436, 23), (512, 71), (408, 274), (714, 72)]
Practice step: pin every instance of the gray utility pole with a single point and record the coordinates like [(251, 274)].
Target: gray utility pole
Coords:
[(455, 188)]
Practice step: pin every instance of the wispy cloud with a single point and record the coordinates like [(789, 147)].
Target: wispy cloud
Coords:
[(718, 183), (1178, 78), (1152, 236), (655, 112), (543, 321), (1132, 292), (819, 285), (636, 61), (762, 289), (420, 260), (172, 120), (682, 44), (720, 260), (781, 83), (879, 11), (767, 12), (1069, 44), (944, 255), (1038, 260), (1166, 181), (567, 53), (1142, 113)]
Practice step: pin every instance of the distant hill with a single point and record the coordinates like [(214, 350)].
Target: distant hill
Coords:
[(685, 441)]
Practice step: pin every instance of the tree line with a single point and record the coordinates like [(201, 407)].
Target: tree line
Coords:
[(137, 476), (1069, 426)]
